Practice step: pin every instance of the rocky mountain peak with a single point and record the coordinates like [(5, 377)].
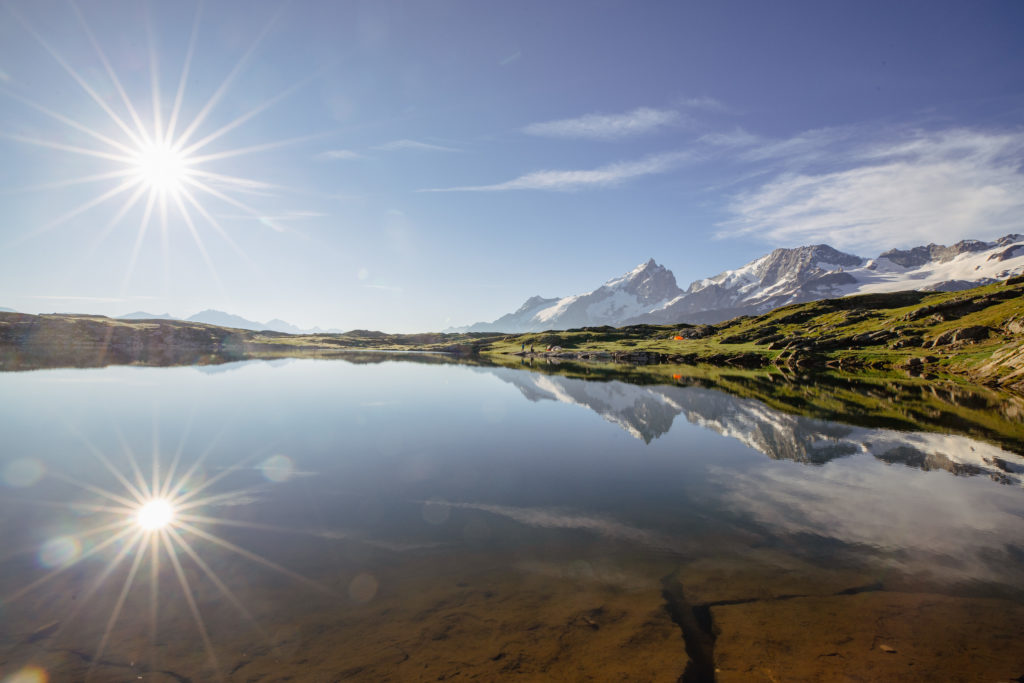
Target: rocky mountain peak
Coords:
[(916, 257), (799, 262), (649, 282), (1012, 238)]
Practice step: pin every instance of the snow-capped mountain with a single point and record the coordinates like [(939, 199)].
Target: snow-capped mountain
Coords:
[(782, 277), (649, 294), (789, 276), (647, 287)]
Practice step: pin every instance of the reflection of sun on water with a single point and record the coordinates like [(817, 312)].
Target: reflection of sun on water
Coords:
[(152, 521), (155, 514)]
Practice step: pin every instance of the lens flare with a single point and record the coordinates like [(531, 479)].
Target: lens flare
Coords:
[(60, 552), (155, 514), (29, 674)]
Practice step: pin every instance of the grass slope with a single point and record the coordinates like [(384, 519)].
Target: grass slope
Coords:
[(975, 333)]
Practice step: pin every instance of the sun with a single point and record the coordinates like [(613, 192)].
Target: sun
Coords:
[(155, 514), (161, 167), (159, 170)]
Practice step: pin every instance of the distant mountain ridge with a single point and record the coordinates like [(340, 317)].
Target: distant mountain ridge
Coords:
[(222, 319), (142, 315), (649, 293)]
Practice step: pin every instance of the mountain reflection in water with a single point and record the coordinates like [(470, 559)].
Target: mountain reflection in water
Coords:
[(648, 412), (458, 530)]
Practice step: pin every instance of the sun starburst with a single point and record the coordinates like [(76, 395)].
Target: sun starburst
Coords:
[(163, 166), (153, 520)]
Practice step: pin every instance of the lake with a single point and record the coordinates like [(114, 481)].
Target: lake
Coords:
[(411, 518)]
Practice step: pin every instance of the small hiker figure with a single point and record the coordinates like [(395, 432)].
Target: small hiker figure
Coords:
[(522, 347), (531, 348)]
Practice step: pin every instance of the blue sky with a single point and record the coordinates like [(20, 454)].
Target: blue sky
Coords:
[(410, 166)]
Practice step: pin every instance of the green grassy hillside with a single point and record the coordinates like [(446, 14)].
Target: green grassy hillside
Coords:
[(976, 333)]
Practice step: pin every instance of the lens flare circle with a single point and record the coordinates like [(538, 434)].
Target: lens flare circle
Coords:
[(60, 552), (155, 514), (161, 167), (29, 674)]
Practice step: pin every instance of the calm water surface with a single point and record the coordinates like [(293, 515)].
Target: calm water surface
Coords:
[(413, 521)]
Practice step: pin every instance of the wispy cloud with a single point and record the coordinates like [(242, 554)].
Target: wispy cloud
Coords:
[(704, 102), (296, 215), (603, 176), (339, 154), (797, 150), (607, 126), (551, 518), (514, 57), (90, 299), (928, 186), (415, 145), (385, 288), (737, 138), (244, 185)]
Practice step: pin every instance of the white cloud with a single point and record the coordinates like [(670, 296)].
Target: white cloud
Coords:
[(416, 145), (704, 102), (295, 215), (385, 288), (928, 187), (514, 57), (550, 518), (606, 126), (339, 154), (88, 299), (803, 148), (603, 176), (737, 138)]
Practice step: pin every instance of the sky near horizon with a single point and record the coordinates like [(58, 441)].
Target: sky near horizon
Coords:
[(411, 166)]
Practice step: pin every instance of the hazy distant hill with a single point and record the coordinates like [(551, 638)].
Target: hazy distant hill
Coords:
[(223, 319), (142, 315), (213, 317)]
